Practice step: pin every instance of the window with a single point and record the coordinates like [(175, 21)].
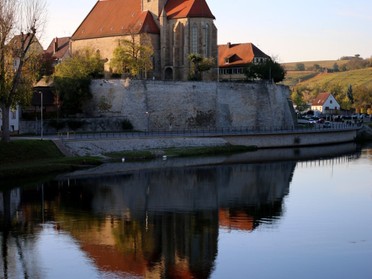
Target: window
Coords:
[(13, 114), (206, 38), (194, 39)]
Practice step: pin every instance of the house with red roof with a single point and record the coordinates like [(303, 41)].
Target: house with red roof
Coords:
[(233, 58), (176, 28), (325, 103), (59, 49)]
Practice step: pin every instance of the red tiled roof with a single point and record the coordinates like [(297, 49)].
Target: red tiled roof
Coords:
[(58, 47), (16, 42), (146, 24), (321, 99), (187, 8), (238, 54), (115, 18)]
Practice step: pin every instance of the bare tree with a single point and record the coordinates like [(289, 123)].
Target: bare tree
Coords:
[(24, 17)]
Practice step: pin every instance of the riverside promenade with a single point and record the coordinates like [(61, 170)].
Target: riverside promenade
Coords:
[(97, 144)]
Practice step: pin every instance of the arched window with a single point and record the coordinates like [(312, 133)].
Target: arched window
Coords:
[(194, 39), (206, 41)]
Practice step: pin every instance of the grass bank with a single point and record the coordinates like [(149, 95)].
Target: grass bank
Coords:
[(29, 158), (180, 152)]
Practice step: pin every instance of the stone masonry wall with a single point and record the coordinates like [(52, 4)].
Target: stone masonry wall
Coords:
[(191, 105)]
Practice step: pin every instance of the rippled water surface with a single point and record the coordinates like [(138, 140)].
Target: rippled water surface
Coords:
[(303, 213)]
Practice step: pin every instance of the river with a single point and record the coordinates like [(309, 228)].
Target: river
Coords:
[(288, 213)]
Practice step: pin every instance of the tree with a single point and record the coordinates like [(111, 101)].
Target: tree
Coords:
[(199, 64), (72, 79), (363, 98), (298, 99), (336, 68), (133, 56), (316, 67), (349, 94), (267, 70), (300, 67), (27, 18)]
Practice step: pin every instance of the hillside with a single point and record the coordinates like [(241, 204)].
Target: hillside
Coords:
[(362, 77), (308, 85), (310, 64), (294, 77)]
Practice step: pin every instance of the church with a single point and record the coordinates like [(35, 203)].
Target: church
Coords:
[(176, 28)]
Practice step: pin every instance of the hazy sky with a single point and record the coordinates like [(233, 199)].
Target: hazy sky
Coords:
[(290, 30)]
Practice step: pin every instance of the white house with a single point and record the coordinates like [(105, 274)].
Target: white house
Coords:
[(13, 120), (325, 103)]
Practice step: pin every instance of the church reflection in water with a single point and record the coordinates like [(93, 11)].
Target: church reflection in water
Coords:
[(161, 223)]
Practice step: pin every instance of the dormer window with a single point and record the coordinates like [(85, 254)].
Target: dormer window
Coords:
[(231, 58)]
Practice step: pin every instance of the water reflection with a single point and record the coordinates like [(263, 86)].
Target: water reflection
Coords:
[(153, 224), (161, 223)]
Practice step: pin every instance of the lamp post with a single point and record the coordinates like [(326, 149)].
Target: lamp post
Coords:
[(148, 120), (41, 115)]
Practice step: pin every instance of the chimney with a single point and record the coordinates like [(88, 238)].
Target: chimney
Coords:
[(55, 47), (228, 45)]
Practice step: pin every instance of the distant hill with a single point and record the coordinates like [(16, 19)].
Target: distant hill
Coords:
[(310, 64), (343, 79), (294, 77), (310, 84)]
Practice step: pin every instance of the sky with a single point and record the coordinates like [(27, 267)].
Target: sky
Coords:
[(289, 30)]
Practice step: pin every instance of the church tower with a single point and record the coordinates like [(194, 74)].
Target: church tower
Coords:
[(186, 27), (154, 6)]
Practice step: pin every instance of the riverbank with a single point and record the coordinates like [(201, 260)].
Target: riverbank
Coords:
[(30, 158), (103, 143), (26, 158), (349, 150)]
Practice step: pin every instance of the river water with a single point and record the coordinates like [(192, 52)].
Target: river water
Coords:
[(304, 213)]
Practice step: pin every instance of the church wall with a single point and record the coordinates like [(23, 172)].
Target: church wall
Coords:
[(177, 41), (154, 6), (192, 105), (107, 45)]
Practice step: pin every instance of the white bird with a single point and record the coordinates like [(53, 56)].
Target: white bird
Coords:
[(122, 160), (164, 157)]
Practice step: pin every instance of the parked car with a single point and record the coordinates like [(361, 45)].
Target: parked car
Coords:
[(321, 120), (327, 124)]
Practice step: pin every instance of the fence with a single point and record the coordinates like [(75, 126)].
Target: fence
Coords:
[(207, 132)]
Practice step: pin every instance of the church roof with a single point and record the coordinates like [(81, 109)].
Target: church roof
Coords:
[(187, 8), (238, 54), (115, 18)]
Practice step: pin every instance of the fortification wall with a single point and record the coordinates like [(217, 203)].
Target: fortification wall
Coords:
[(191, 105)]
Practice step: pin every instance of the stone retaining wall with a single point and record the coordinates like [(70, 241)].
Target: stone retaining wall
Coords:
[(189, 105), (277, 140), (154, 105)]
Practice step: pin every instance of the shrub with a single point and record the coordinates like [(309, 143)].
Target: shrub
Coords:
[(75, 124), (56, 124), (126, 125)]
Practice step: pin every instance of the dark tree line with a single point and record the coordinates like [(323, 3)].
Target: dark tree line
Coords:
[(268, 70)]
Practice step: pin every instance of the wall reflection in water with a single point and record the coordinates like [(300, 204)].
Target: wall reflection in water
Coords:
[(153, 224)]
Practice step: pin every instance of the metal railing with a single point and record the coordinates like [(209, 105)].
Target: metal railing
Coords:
[(208, 132)]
